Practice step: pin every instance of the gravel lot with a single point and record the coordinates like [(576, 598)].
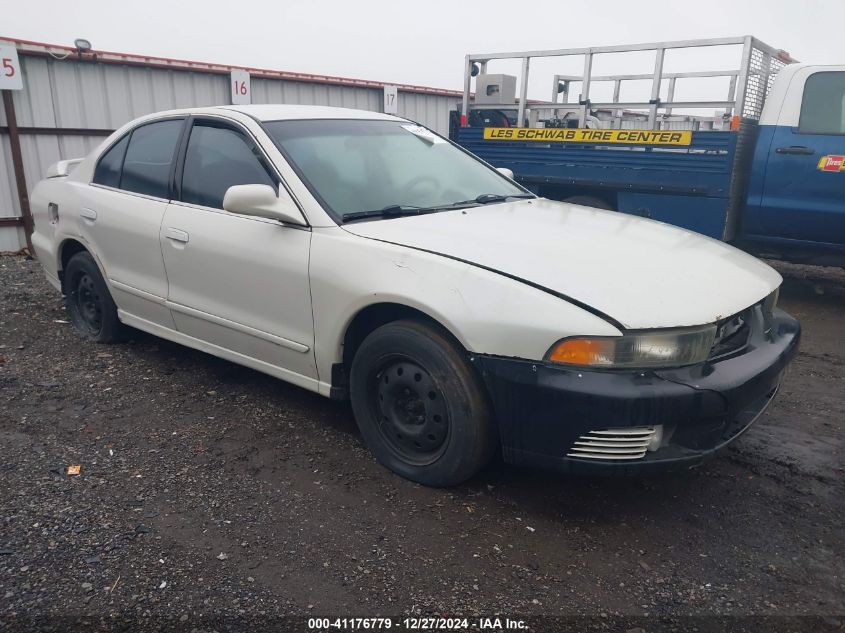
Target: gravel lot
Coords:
[(209, 492)]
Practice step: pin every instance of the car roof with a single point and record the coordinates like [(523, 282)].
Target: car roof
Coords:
[(277, 112), (264, 112)]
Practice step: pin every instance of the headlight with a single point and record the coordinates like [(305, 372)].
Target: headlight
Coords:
[(635, 350)]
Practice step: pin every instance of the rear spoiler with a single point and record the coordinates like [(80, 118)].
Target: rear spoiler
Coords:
[(63, 167)]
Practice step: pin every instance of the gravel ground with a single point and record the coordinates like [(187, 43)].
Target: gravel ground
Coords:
[(211, 493)]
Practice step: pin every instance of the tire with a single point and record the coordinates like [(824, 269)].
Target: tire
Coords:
[(88, 302), (421, 407), (590, 201)]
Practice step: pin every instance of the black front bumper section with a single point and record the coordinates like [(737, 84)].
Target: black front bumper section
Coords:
[(543, 408)]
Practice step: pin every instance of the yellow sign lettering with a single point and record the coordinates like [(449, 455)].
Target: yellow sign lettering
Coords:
[(579, 135)]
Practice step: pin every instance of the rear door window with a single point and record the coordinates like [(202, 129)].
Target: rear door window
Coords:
[(218, 158), (146, 168), (823, 105)]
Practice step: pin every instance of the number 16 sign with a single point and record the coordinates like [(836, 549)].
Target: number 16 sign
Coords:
[(241, 92)]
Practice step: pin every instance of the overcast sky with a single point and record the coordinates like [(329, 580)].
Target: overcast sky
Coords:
[(424, 42)]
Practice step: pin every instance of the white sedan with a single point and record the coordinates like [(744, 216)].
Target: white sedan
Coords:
[(364, 257)]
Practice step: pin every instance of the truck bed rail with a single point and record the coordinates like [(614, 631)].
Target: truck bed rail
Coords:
[(747, 89)]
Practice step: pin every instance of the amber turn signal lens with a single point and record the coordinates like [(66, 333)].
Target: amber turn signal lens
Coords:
[(576, 351)]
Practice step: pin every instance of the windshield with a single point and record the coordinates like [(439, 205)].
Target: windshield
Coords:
[(357, 166)]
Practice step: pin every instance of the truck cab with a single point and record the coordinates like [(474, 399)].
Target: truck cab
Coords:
[(796, 189)]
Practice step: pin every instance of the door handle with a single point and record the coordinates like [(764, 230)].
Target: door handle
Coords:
[(177, 235), (88, 214), (796, 149)]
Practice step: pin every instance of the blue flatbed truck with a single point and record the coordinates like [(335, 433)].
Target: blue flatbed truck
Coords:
[(766, 172)]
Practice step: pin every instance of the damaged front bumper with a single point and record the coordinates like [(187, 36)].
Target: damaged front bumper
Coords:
[(626, 422)]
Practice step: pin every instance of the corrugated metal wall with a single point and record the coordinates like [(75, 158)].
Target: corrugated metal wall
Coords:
[(84, 95)]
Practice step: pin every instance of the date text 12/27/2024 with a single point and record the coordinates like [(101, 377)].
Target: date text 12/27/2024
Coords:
[(416, 624)]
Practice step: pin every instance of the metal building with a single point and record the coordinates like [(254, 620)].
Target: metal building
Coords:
[(71, 100)]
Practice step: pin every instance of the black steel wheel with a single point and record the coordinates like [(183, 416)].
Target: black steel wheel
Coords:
[(421, 407), (412, 411), (88, 304), (88, 301)]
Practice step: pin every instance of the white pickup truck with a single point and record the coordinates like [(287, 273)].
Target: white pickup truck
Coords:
[(362, 256)]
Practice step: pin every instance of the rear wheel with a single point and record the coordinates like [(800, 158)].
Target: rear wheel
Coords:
[(420, 406), (88, 301)]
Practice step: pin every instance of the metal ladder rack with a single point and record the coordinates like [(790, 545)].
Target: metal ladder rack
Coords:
[(747, 91)]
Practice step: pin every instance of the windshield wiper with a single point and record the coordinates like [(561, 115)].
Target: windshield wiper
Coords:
[(487, 198), (390, 210), (397, 210)]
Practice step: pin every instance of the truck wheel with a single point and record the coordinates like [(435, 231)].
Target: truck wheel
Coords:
[(590, 201), (88, 301), (420, 406)]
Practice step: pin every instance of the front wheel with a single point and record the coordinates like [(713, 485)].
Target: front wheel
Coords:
[(420, 405), (88, 301)]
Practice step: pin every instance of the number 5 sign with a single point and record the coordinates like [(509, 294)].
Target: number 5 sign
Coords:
[(10, 69), (241, 92)]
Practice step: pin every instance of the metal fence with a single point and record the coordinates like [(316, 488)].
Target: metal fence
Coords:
[(70, 102)]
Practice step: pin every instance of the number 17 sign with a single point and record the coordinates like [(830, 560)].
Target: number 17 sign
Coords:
[(10, 69), (241, 92)]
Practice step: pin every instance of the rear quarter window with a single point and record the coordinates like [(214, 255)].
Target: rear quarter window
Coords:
[(111, 163)]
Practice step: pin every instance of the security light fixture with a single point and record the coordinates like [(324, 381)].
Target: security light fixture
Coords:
[(82, 45)]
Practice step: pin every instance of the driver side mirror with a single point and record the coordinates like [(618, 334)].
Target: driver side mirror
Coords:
[(507, 173), (262, 201)]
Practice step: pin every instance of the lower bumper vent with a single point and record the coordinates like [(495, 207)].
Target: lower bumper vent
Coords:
[(623, 443)]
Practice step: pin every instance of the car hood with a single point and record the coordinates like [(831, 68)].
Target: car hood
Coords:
[(641, 273)]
